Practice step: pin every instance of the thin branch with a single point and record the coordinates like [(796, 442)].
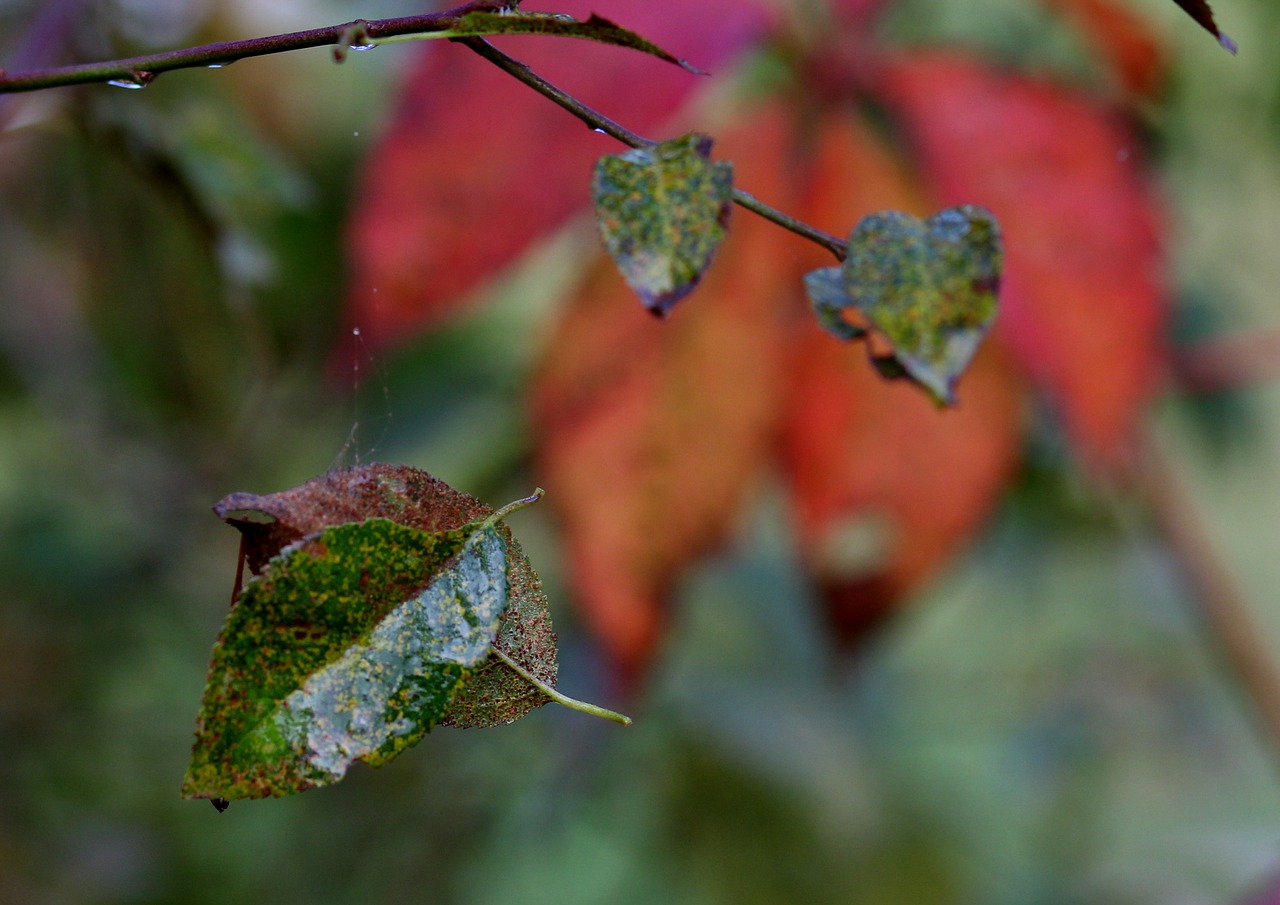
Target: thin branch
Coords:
[(837, 247), (137, 72), (1231, 626), (43, 42), (140, 70), (601, 123), (1232, 362)]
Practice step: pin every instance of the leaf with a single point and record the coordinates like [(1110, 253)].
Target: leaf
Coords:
[(518, 22), (349, 646), (475, 168), (661, 212), (338, 564), (650, 433), (411, 497), (1200, 11), (1082, 302), (928, 286), (885, 487)]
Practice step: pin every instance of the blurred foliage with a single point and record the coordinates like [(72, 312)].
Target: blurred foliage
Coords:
[(1047, 724)]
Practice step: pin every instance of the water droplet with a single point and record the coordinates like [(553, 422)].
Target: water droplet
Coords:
[(361, 48), (355, 331), (356, 133), (139, 78), (950, 224), (216, 65), (598, 129)]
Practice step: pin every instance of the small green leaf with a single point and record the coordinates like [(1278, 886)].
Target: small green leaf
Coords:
[(661, 212), (928, 287)]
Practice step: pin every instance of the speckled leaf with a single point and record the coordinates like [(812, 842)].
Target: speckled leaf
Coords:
[(928, 287), (411, 497), (352, 572), (349, 646), (661, 212)]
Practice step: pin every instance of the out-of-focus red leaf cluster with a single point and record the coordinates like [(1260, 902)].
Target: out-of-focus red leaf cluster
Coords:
[(649, 435)]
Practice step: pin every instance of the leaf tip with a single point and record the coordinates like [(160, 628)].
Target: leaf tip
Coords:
[(219, 804), (1227, 43)]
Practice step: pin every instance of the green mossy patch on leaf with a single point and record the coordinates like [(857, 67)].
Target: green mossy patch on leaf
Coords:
[(377, 598), (927, 287), (661, 212)]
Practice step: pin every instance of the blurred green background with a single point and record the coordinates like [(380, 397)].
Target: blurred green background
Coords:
[(1048, 724)]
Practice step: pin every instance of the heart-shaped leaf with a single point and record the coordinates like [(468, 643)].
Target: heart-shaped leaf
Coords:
[(928, 287), (352, 640), (661, 212)]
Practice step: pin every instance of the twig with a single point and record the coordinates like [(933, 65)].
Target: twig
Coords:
[(1222, 605), (598, 121), (137, 72), (42, 43), (1230, 362), (140, 70)]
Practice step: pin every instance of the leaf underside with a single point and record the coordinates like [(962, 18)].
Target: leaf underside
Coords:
[(353, 640)]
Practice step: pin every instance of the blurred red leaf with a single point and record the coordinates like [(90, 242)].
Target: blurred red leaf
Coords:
[(650, 432), (875, 464), (1083, 308), (887, 487), (1122, 39), (475, 167)]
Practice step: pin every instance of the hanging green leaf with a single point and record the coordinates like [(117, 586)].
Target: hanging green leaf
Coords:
[(661, 212), (351, 641), (927, 287)]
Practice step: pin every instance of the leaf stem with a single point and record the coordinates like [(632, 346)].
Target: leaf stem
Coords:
[(571, 703), (516, 506), (601, 123)]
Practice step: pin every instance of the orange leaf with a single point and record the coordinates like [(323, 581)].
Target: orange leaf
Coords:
[(1083, 306), (650, 432), (886, 486), (476, 166)]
